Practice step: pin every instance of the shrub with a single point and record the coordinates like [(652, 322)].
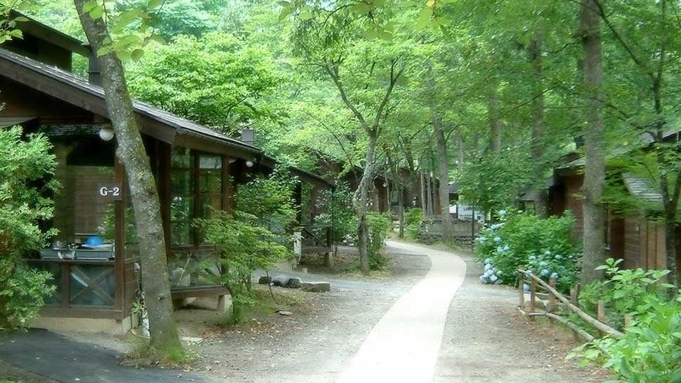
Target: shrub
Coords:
[(625, 292), (649, 351), (379, 226), (244, 247), (25, 166), (338, 213), (542, 246), (412, 221)]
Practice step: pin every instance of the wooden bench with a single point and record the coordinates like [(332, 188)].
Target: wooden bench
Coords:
[(181, 293)]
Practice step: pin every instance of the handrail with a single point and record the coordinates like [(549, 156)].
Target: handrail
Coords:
[(600, 326)]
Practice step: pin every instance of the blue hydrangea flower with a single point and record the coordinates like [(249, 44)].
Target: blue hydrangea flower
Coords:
[(497, 239), (559, 256), (554, 276), (544, 273)]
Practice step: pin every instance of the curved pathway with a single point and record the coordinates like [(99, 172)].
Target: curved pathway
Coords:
[(404, 344)]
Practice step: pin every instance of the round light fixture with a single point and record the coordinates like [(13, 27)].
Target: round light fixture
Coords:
[(106, 133), (249, 163)]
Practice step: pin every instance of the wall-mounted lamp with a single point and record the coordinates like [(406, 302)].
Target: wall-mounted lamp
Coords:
[(249, 163), (106, 133)]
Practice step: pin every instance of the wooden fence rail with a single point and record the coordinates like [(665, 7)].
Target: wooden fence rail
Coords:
[(571, 304)]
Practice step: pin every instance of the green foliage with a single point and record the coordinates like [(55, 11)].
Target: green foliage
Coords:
[(244, 247), (338, 213), (649, 351), (217, 80), (542, 246), (412, 221), (625, 292), (25, 166), (495, 181), (270, 199), (379, 226)]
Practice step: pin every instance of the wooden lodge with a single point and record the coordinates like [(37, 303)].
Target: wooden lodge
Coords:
[(636, 238), (95, 258)]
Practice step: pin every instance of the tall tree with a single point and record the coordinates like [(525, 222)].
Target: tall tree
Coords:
[(594, 172), (144, 194)]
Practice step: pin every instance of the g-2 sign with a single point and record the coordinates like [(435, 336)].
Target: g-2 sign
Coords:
[(113, 192)]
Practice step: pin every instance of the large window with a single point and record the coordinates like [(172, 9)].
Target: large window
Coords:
[(196, 185)]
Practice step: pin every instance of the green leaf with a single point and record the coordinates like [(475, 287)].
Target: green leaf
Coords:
[(305, 15), (97, 12), (89, 6), (154, 3), (424, 17), (137, 54), (124, 56)]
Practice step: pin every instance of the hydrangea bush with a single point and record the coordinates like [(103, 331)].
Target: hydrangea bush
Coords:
[(541, 246)]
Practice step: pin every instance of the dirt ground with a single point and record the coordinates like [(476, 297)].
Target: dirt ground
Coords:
[(485, 340)]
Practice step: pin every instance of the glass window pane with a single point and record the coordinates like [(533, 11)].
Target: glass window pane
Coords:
[(92, 285), (210, 161), (181, 233), (210, 182), (209, 201), (180, 158), (181, 182)]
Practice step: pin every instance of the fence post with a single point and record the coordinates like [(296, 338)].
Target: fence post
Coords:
[(521, 283), (601, 315), (574, 294), (533, 295), (627, 321), (552, 299)]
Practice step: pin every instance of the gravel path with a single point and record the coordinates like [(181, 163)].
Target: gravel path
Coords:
[(484, 339)]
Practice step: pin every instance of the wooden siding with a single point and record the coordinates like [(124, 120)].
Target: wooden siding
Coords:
[(632, 243), (573, 203)]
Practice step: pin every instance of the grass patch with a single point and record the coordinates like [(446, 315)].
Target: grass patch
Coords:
[(142, 354), (266, 305)]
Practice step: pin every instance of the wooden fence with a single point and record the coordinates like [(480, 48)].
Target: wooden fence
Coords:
[(530, 308)]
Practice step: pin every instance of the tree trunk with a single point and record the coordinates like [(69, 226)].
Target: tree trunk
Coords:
[(460, 150), (143, 191), (443, 167), (362, 202), (537, 145), (494, 119), (594, 174)]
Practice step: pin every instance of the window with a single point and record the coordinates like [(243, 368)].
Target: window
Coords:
[(196, 186)]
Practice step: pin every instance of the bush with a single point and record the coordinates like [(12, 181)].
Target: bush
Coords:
[(649, 351), (379, 226), (625, 292), (22, 208), (541, 246), (412, 221), (338, 213), (244, 247)]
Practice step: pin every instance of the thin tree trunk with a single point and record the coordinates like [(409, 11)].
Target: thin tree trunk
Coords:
[(537, 145), (424, 194), (443, 167), (362, 202), (494, 119), (594, 174), (143, 191), (460, 149)]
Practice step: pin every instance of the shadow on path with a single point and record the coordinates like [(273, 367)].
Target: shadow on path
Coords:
[(56, 357)]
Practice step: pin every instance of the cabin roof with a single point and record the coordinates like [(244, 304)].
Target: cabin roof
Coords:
[(44, 32), (152, 121), (641, 188)]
